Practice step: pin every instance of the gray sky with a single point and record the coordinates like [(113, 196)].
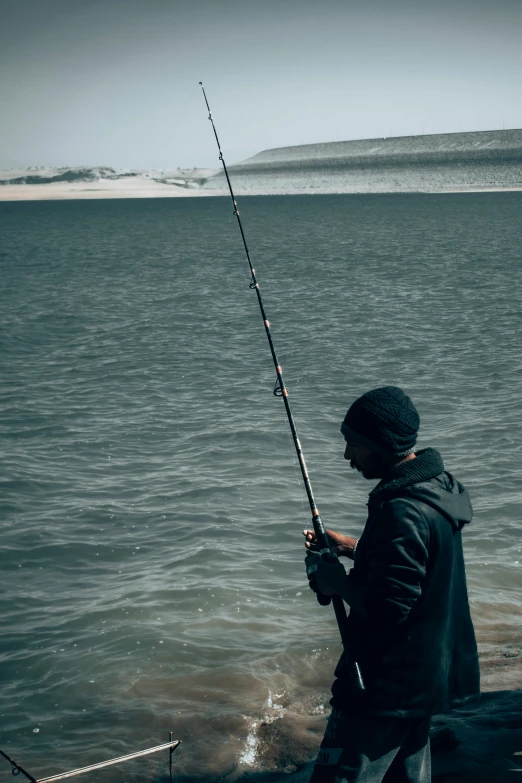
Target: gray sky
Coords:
[(107, 82)]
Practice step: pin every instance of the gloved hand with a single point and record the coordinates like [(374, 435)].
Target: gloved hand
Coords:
[(312, 562), (330, 576)]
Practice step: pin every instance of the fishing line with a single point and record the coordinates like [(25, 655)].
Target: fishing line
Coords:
[(184, 110), (169, 129), (280, 390)]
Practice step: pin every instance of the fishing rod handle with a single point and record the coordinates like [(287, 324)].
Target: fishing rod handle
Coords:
[(353, 667), (329, 555)]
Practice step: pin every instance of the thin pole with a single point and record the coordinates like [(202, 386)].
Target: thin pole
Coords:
[(172, 745), (281, 391), (109, 763)]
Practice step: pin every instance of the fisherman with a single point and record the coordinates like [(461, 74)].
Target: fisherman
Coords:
[(409, 624)]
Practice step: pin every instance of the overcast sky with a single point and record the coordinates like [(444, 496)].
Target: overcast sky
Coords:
[(115, 82)]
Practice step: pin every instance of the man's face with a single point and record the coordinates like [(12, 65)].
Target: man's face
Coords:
[(366, 461)]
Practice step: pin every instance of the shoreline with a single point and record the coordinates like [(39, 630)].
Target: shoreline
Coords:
[(107, 190), (479, 743)]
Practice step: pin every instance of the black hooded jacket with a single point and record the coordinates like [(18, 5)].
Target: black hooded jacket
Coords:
[(409, 622)]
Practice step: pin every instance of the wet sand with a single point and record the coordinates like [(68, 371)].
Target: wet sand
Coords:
[(481, 743)]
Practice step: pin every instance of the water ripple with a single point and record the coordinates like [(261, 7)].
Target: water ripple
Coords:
[(151, 503)]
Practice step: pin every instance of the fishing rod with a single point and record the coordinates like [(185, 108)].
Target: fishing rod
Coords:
[(280, 390), (170, 746)]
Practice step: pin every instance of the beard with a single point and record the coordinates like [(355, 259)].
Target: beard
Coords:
[(374, 468)]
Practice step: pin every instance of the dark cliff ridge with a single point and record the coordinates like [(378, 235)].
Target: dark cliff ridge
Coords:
[(451, 161)]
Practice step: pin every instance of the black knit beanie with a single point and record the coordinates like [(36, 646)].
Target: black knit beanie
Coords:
[(385, 417)]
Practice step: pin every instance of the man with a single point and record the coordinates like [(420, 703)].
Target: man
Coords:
[(409, 624)]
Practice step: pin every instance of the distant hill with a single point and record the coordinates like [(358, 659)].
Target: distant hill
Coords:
[(436, 163)]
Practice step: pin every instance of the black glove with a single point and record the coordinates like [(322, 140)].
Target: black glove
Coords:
[(311, 560)]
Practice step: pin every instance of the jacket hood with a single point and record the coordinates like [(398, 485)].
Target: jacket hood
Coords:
[(446, 495), (425, 479)]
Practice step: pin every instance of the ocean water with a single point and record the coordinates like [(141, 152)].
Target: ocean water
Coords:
[(152, 574)]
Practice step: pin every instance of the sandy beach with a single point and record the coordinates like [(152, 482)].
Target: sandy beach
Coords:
[(127, 187)]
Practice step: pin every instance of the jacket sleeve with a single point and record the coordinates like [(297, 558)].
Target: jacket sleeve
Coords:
[(395, 564)]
